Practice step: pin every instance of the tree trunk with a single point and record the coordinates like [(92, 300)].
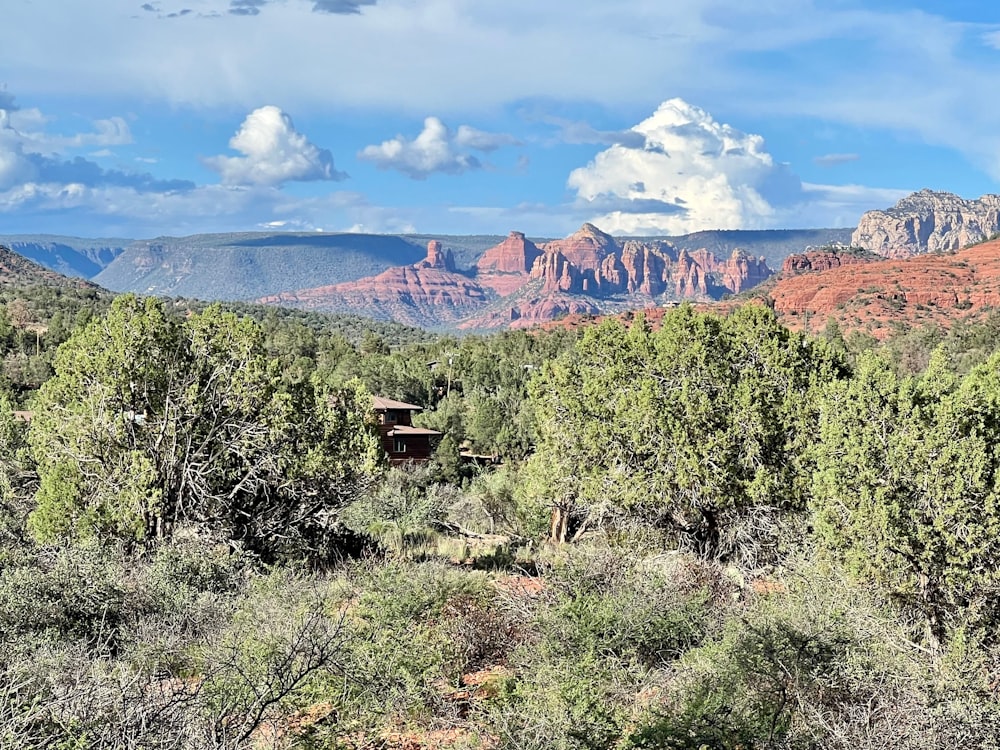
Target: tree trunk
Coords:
[(559, 523)]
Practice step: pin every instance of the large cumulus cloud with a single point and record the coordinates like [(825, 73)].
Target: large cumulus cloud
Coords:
[(274, 153), (690, 173)]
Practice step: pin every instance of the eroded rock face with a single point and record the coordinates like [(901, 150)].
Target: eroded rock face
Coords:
[(506, 267), (563, 277), (427, 293), (531, 312), (820, 260), (437, 257), (928, 221), (585, 248)]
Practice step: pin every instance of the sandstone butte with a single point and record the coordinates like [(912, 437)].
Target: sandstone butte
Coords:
[(409, 294), (519, 284)]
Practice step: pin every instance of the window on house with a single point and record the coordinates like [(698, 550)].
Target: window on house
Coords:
[(399, 446), (390, 416)]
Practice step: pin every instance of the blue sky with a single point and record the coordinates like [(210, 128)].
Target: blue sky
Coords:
[(132, 119)]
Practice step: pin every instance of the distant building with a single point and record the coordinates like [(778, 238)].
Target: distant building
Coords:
[(401, 440)]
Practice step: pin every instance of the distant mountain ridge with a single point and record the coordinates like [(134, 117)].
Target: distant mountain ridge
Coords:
[(19, 271), (290, 267), (518, 283), (70, 256), (245, 266)]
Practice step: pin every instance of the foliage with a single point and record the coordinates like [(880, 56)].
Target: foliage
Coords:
[(402, 512), (150, 422), (906, 490), (685, 425), (605, 623)]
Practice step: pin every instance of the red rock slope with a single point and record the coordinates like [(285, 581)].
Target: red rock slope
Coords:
[(874, 295), (424, 294)]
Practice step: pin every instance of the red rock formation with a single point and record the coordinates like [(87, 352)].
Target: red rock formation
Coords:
[(437, 257), (820, 260), (428, 293), (585, 248), (557, 273), (871, 295), (506, 267), (689, 275), (532, 312), (589, 263), (743, 271)]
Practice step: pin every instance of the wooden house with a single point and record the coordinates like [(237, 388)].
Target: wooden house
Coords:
[(401, 440)]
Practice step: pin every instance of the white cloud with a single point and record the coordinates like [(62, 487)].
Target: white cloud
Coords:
[(274, 152), (992, 39), (123, 211), (887, 66), (15, 167), (30, 125), (436, 149), (28, 152), (693, 173)]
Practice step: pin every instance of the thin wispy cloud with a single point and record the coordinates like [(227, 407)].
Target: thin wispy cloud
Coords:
[(835, 160), (578, 132), (343, 7), (333, 7), (246, 7)]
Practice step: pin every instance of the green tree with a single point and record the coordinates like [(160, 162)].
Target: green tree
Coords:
[(687, 426), (907, 489), (150, 422)]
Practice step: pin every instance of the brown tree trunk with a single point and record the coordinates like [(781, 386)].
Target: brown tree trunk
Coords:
[(559, 524)]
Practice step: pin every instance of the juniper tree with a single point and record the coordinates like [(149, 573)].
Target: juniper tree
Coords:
[(152, 421)]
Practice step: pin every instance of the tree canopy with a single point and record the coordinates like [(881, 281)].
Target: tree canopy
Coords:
[(705, 416), (152, 421)]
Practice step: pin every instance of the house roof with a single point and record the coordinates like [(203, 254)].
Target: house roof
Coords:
[(381, 404), (402, 430)]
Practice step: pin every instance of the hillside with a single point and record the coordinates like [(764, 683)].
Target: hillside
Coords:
[(20, 272), (250, 265), (70, 256), (879, 295)]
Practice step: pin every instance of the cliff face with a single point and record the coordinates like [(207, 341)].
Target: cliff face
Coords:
[(424, 294), (505, 268), (517, 283), (926, 222)]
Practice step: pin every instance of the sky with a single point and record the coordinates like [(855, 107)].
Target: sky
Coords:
[(125, 119)]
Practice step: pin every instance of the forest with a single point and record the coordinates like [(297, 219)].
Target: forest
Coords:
[(712, 533)]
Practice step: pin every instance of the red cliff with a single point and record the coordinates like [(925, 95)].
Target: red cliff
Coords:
[(427, 293), (581, 274), (506, 267)]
